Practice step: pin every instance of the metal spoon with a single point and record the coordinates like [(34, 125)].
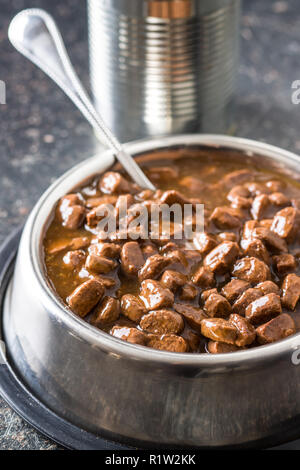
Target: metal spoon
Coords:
[(34, 33)]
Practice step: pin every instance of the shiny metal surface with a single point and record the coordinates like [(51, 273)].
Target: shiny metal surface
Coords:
[(34, 34), (130, 392), (165, 66)]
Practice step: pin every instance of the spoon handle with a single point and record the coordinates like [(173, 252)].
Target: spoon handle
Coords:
[(34, 34)]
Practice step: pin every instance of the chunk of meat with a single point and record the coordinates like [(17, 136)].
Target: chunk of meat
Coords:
[(96, 201), (74, 259), (132, 307), (97, 214), (245, 299), (270, 239), (108, 282), (290, 291), (168, 342), (193, 339), (149, 249), (192, 315), (132, 258), (217, 306), (188, 292), (274, 185), (109, 250), (219, 329), (259, 206), (173, 280), (285, 263), (170, 246), (192, 256), (113, 182), (204, 242), (71, 199), (162, 322), (216, 347), (234, 288), (177, 258), (155, 296), (251, 270), (226, 237), (245, 331), (256, 188), (226, 218), (173, 197), (206, 293), (100, 264), (71, 211), (72, 216), (255, 248), (77, 243), (221, 258), (248, 228), (268, 287), (153, 267), (278, 328), (204, 277), (238, 191), (286, 223), (132, 335), (239, 197), (85, 297), (106, 312), (279, 199), (263, 309)]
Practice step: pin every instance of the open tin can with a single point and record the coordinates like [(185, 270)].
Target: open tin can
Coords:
[(165, 66)]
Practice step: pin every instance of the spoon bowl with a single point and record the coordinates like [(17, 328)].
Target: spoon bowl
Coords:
[(34, 33)]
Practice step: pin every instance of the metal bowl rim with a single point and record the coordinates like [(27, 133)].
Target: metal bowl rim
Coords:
[(115, 346)]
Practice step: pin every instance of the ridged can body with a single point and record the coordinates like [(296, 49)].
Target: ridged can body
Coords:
[(164, 67)]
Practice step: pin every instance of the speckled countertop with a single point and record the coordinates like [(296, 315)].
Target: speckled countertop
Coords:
[(41, 135)]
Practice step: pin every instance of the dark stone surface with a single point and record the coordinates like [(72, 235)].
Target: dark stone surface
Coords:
[(42, 135)]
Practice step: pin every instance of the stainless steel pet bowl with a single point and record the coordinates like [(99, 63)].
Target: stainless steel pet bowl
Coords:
[(130, 393)]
